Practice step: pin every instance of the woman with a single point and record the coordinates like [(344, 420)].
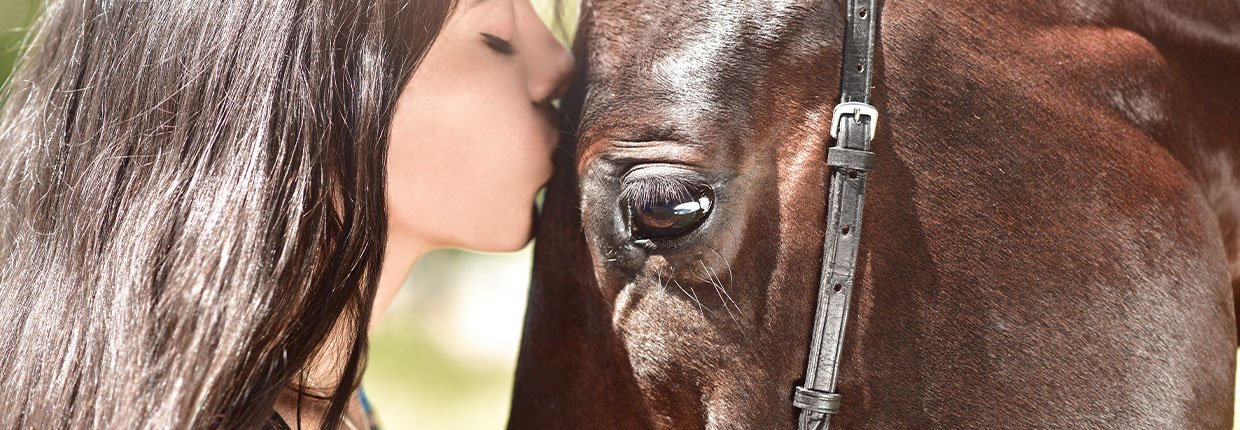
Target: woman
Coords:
[(204, 204)]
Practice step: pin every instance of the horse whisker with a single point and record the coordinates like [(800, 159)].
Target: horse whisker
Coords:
[(692, 295), (731, 280), (721, 292)]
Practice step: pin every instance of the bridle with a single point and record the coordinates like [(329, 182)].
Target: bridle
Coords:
[(849, 160)]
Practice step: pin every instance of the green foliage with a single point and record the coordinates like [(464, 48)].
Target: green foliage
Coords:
[(416, 384), (15, 17)]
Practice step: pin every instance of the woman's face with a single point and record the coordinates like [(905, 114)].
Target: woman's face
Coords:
[(473, 131)]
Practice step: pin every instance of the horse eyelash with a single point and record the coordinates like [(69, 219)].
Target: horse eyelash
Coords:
[(657, 189)]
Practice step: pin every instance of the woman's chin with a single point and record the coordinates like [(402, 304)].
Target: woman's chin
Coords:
[(511, 246), (513, 238)]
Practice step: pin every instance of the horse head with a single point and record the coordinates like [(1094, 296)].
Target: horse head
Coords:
[(1023, 159)]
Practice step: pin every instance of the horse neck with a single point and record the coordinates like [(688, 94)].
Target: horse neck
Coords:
[(1201, 47)]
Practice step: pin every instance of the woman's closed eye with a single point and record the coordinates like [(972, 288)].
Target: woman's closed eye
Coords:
[(500, 46)]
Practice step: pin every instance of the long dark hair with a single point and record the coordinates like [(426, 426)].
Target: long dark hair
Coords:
[(191, 196)]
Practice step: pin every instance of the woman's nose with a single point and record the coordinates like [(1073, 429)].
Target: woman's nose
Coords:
[(554, 80), (550, 64)]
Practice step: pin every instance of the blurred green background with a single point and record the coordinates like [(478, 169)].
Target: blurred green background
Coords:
[(444, 356)]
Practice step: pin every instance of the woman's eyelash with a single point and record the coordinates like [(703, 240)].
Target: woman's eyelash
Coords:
[(496, 44)]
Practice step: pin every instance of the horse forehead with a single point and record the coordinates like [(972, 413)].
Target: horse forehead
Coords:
[(672, 38), (686, 52), (692, 11), (722, 29)]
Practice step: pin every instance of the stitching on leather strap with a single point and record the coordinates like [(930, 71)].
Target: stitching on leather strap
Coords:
[(817, 401), (853, 159)]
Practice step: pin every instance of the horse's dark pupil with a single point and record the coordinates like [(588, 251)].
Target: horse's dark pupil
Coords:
[(668, 218)]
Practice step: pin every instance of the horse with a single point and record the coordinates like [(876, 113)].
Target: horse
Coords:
[(1050, 239)]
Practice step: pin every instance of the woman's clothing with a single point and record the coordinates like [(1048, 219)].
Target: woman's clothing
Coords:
[(276, 423)]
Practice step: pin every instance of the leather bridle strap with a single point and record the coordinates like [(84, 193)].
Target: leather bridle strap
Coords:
[(849, 161)]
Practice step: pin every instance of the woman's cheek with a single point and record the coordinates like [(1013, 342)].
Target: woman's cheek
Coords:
[(522, 164), (467, 161), (500, 156)]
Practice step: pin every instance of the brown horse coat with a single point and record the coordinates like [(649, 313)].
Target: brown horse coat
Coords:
[(1050, 236)]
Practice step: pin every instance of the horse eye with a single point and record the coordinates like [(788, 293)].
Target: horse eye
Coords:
[(666, 216)]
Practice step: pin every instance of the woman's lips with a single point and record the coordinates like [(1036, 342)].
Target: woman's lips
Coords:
[(552, 141), (549, 175), (553, 116)]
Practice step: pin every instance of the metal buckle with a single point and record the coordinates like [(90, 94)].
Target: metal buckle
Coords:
[(856, 109)]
